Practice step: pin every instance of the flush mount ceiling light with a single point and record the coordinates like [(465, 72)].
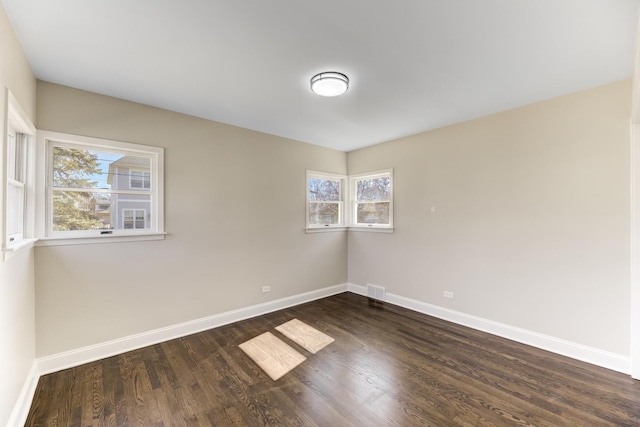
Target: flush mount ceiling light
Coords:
[(329, 83)]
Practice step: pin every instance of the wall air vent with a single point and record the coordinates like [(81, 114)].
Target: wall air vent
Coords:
[(377, 293)]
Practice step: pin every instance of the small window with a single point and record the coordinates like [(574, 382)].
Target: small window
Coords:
[(372, 200), (100, 188), (139, 179), (134, 219), (324, 200)]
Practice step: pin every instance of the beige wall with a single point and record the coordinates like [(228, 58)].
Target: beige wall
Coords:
[(531, 221), (17, 330), (531, 226), (234, 213)]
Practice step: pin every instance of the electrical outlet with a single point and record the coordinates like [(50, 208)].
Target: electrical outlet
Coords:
[(266, 289), (448, 294)]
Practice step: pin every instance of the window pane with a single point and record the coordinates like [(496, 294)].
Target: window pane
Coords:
[(15, 208), (324, 189), (324, 213), (83, 168), (372, 213), (79, 210), (73, 210), (373, 189), (20, 157), (17, 156), (140, 220)]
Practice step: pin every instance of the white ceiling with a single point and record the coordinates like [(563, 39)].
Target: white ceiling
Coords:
[(414, 65)]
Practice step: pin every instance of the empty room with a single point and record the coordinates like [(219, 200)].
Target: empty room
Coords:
[(284, 213)]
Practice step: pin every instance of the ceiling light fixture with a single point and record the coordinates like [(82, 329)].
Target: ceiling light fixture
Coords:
[(329, 83)]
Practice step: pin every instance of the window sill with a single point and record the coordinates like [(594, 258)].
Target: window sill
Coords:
[(389, 230), (62, 241), (22, 245), (309, 230)]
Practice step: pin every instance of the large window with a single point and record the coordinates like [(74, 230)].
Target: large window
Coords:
[(100, 188), (372, 200), (19, 190), (324, 200)]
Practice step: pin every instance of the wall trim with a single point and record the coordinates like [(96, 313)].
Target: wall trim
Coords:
[(18, 416), (69, 359), (605, 359)]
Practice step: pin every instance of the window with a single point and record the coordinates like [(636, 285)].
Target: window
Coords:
[(101, 189), (139, 179), (19, 179), (372, 200), (134, 219), (370, 205), (324, 200)]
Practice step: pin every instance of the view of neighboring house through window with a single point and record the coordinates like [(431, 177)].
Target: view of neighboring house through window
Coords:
[(324, 200), (130, 177), (99, 187), (372, 196), (92, 189)]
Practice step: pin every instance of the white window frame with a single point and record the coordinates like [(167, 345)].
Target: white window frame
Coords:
[(353, 217), (340, 225), (46, 141), (16, 122)]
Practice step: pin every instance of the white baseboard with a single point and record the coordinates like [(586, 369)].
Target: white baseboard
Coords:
[(90, 353), (57, 362), (21, 409), (605, 359)]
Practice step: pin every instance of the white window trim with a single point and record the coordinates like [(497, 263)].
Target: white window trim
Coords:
[(43, 212), (17, 120), (319, 228), (379, 228)]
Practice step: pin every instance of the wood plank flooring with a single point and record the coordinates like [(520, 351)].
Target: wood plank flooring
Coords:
[(387, 367)]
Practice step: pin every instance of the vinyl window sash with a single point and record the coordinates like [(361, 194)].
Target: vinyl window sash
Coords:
[(18, 154), (340, 206), (16, 200), (355, 202), (341, 180)]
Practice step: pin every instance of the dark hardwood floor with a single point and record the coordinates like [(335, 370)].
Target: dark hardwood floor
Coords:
[(387, 367)]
